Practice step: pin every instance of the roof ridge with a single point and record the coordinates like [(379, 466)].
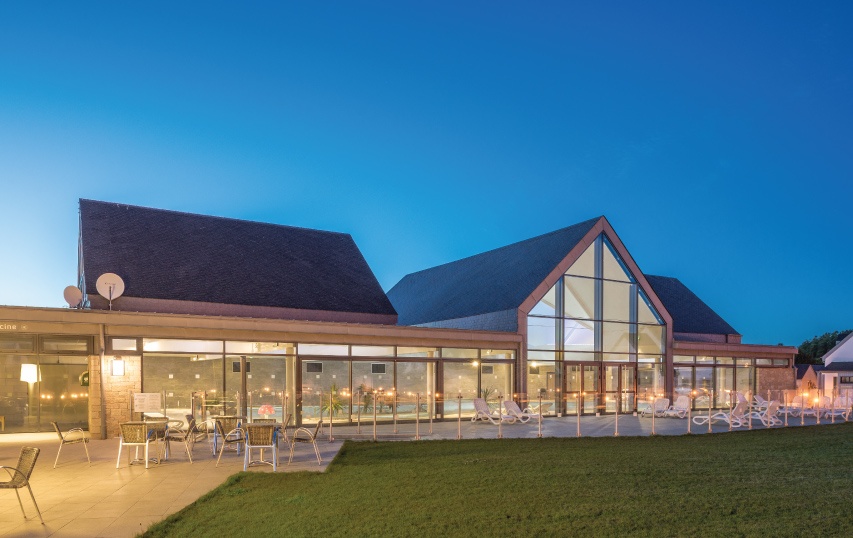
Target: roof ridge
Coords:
[(218, 217)]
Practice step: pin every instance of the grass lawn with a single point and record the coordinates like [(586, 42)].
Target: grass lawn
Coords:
[(783, 482)]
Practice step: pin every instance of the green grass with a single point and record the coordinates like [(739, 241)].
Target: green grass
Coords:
[(784, 482)]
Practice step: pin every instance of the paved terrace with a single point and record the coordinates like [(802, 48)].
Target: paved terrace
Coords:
[(78, 499)]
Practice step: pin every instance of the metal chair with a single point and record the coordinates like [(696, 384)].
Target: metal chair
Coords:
[(137, 435), (234, 437), (304, 435), (19, 476), (260, 436), (71, 437), (174, 433)]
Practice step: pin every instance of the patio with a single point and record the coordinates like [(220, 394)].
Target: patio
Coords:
[(78, 499)]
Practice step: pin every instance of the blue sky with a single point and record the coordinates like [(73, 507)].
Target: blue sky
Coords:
[(715, 136)]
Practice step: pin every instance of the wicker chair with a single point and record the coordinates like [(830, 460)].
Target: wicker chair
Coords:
[(304, 435), (19, 476), (174, 433), (136, 435), (260, 436), (264, 421), (71, 437), (233, 437)]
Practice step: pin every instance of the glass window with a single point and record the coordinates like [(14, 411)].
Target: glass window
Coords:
[(579, 297), (186, 346), (460, 378), (574, 356), (650, 383), (585, 264), (646, 313), (705, 359), (372, 351), (497, 354), (19, 392), (763, 362), (541, 333), (124, 344), (458, 353), (319, 379), (617, 300), (780, 362), (578, 335), (192, 383), (415, 378), (62, 398), (404, 351), (65, 344), (704, 385), (724, 387), (682, 358), (614, 268), (267, 348), (541, 382), (534, 355), (745, 380), (725, 360), (616, 357), (323, 349), (616, 338), (548, 305), (266, 382), (651, 338), (16, 344), (496, 382), (683, 379), (373, 376)]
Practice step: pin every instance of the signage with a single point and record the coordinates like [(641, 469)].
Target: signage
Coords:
[(147, 402), (84, 379), (12, 326)]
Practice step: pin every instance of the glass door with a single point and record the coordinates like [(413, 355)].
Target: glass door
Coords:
[(590, 394), (618, 388)]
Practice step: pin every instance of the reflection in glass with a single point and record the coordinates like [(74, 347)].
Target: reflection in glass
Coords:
[(578, 335), (414, 378), (369, 377), (547, 306), (616, 337), (193, 384), (541, 333), (541, 382), (460, 378), (319, 378)]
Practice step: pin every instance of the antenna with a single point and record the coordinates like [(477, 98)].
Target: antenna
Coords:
[(110, 286), (73, 296)]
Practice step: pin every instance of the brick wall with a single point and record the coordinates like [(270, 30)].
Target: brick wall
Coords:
[(117, 391), (775, 380)]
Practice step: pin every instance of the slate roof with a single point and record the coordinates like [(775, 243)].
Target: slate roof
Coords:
[(802, 369), (493, 281), (838, 366), (172, 255), (689, 313)]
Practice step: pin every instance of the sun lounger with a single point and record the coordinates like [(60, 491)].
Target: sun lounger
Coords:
[(660, 407), (679, 408), (482, 412), (522, 415), (736, 418), (768, 417)]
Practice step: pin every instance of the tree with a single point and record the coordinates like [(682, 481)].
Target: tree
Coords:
[(812, 351)]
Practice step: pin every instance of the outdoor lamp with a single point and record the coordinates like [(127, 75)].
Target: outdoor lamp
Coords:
[(117, 366), (29, 373)]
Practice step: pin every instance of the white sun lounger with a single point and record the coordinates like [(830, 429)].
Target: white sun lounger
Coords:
[(679, 408), (482, 412)]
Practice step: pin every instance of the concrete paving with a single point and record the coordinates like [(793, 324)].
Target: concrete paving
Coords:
[(79, 499)]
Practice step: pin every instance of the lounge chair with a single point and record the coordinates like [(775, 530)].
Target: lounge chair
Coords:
[(679, 408), (482, 412), (736, 418), (796, 406), (19, 476), (768, 415), (71, 437), (519, 414), (760, 403), (660, 407), (841, 407)]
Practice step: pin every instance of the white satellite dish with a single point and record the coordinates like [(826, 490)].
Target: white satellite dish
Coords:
[(110, 286), (73, 296)]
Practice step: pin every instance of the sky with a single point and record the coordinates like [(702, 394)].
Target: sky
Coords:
[(716, 137)]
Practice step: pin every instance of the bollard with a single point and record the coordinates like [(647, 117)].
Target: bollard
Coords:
[(418, 418), (374, 415), (459, 418), (500, 416), (331, 414), (579, 413), (395, 409), (358, 418), (540, 415)]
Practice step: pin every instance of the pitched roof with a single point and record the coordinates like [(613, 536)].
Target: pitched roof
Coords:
[(839, 366), (841, 351), (689, 313), (164, 254), (802, 369), (493, 281)]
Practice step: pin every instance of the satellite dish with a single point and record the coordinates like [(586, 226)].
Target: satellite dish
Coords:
[(110, 286), (73, 296)]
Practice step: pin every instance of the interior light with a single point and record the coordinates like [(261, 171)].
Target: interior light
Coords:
[(117, 366), (29, 373)]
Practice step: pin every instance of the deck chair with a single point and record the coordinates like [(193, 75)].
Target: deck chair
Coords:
[(482, 412), (760, 403), (679, 408), (519, 414), (71, 437), (796, 406), (736, 418), (660, 407), (260, 436), (840, 408), (768, 415), (19, 476), (304, 435)]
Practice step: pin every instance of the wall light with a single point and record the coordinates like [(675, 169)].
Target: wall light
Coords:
[(29, 373), (117, 366)]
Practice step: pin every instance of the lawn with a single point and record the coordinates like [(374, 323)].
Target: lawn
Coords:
[(782, 482)]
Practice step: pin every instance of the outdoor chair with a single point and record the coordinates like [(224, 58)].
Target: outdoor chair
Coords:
[(71, 437), (229, 424), (736, 418), (796, 406), (264, 421), (660, 407), (19, 476), (236, 438), (521, 415), (840, 408), (768, 415), (281, 433), (135, 435), (174, 433), (482, 412), (260, 436), (679, 408), (304, 435)]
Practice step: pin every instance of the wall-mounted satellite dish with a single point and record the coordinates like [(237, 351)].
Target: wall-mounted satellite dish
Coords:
[(73, 296), (110, 286)]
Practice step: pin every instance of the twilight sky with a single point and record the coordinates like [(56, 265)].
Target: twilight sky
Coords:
[(717, 137)]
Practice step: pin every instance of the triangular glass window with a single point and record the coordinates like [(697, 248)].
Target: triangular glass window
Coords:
[(614, 268), (579, 297), (548, 305), (585, 265), (646, 313)]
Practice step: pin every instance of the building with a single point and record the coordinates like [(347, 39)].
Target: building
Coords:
[(221, 316), (836, 376)]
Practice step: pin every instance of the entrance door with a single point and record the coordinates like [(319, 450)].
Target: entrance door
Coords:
[(618, 387), (581, 388)]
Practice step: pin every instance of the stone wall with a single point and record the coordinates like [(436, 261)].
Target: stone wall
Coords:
[(774, 380), (117, 392)]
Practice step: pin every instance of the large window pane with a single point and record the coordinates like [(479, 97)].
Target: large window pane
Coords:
[(319, 378), (496, 382), (16, 344), (378, 377), (579, 297), (704, 385), (614, 268), (192, 383), (458, 353), (585, 264), (62, 399), (414, 378), (646, 313), (323, 349), (460, 378), (65, 344), (578, 335), (541, 333), (548, 305), (683, 378), (405, 351), (266, 382), (617, 300), (541, 382), (651, 339), (724, 386), (19, 392), (616, 337), (267, 348), (650, 383), (187, 346)]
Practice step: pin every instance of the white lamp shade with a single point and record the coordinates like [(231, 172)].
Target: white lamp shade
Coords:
[(117, 366), (29, 373)]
